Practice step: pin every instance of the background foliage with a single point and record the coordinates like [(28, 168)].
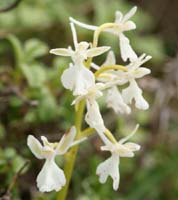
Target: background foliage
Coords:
[(33, 101)]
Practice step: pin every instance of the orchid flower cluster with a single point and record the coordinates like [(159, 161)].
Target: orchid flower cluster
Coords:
[(88, 82)]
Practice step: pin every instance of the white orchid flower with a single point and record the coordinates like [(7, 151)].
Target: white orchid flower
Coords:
[(51, 177), (78, 79), (82, 50), (115, 101), (134, 71), (133, 91), (93, 116), (110, 167), (122, 24)]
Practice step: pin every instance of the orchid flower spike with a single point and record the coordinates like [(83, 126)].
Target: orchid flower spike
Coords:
[(122, 24), (110, 167), (51, 177)]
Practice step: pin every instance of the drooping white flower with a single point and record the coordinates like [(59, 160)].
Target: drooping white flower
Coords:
[(133, 91), (51, 177), (110, 167), (134, 71), (93, 116), (122, 24), (115, 101)]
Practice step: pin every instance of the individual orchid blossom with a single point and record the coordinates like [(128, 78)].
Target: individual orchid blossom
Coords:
[(133, 91), (93, 116), (110, 167), (77, 77), (51, 177), (82, 50), (122, 24), (134, 71)]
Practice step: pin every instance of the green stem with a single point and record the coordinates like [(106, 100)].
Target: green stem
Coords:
[(71, 155), (110, 67), (18, 50)]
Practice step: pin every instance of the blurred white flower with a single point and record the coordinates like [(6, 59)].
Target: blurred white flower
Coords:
[(51, 177), (122, 24), (110, 167)]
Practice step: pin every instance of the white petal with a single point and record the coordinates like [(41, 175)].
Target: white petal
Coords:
[(129, 14), (35, 147), (95, 66), (141, 71), (141, 103), (139, 61), (83, 46), (45, 141), (61, 52), (134, 92), (123, 140), (132, 146), (123, 151), (126, 50), (66, 141), (93, 116), (51, 177), (89, 27), (78, 79), (110, 59), (97, 51), (109, 167), (118, 17), (74, 35), (129, 26), (115, 101), (69, 77)]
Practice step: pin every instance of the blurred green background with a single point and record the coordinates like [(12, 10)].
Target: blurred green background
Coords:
[(33, 101)]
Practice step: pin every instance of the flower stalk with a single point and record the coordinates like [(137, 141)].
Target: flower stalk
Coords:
[(70, 157), (110, 67)]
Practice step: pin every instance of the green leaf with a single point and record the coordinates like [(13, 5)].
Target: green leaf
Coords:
[(35, 48), (48, 108), (35, 75)]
